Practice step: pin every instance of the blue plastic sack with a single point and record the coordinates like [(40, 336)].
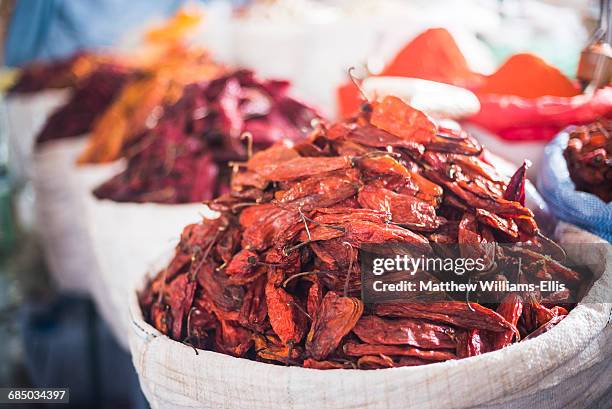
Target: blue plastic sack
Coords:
[(566, 203)]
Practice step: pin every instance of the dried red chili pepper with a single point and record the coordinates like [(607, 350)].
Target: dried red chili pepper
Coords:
[(502, 224), (181, 291), (421, 334), (410, 361), (225, 299), (91, 97), (243, 267), (470, 343), (555, 268), (313, 363), (314, 299), (404, 209), (371, 136), (200, 323), (511, 309), (589, 158), (473, 243), (353, 349), (320, 192), (287, 321), (360, 232), (399, 119), (264, 224), (232, 339), (457, 313), (254, 310), (160, 317), (335, 318), (375, 362), (516, 187), (302, 167), (270, 348)]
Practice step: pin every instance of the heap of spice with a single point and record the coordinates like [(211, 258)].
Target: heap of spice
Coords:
[(277, 276), (136, 84), (57, 74), (589, 158), (142, 100), (433, 55), (528, 76), (91, 97), (184, 158)]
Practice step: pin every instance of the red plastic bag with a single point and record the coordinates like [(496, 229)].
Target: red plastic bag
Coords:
[(520, 119)]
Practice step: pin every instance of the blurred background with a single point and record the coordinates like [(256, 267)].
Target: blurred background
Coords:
[(51, 336)]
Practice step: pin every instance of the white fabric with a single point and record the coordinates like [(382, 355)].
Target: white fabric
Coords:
[(26, 115), (94, 246), (60, 186), (304, 42), (567, 367), (437, 99), (130, 239)]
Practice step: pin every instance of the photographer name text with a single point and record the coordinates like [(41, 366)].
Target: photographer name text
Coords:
[(451, 286)]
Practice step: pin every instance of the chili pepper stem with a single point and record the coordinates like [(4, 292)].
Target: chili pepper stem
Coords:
[(187, 342), (206, 253), (329, 226), (289, 250), (300, 309), (350, 268), (249, 137), (355, 81), (305, 223), (304, 273)]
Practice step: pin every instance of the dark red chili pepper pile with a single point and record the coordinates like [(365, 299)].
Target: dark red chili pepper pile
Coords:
[(183, 159), (38, 76), (276, 277), (91, 97), (589, 158)]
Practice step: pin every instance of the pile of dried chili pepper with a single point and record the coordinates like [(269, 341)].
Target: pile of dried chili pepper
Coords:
[(62, 73), (142, 100), (91, 97), (183, 159), (276, 277), (589, 158)]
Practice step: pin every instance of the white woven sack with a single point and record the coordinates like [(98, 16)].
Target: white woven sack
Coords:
[(567, 367), (129, 239), (26, 115), (60, 187)]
